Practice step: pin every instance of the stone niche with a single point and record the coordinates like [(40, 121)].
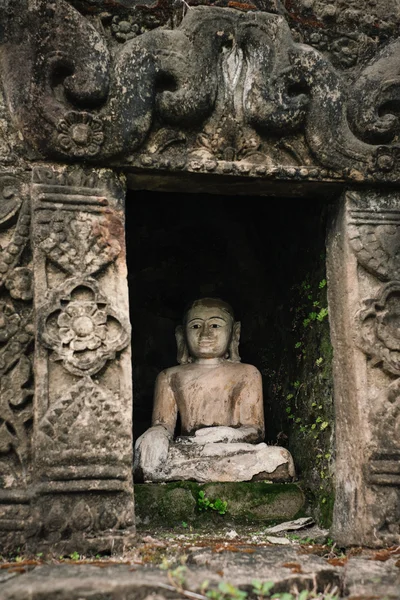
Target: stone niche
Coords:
[(269, 99)]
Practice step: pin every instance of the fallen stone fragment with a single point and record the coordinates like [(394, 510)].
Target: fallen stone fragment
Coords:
[(232, 534), (291, 525), (278, 540)]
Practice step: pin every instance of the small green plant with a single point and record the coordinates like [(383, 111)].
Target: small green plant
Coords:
[(204, 503), (184, 524), (75, 556), (178, 576), (262, 588), (226, 591)]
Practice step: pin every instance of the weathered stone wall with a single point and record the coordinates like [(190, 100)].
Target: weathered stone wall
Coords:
[(296, 99)]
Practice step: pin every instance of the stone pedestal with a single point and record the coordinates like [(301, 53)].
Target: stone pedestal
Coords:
[(364, 304), (247, 503), (82, 483)]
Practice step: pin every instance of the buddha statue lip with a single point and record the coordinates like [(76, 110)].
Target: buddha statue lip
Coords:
[(220, 407)]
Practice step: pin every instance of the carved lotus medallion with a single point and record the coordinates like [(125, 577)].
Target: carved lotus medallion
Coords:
[(80, 134), (81, 328)]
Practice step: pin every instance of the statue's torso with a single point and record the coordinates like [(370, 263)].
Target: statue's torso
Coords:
[(214, 395)]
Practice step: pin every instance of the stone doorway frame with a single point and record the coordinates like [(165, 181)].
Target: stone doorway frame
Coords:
[(84, 105)]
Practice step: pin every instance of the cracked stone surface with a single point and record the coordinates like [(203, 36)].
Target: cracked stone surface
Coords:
[(170, 564)]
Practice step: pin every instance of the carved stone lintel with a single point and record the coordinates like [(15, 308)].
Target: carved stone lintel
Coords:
[(223, 86), (83, 414)]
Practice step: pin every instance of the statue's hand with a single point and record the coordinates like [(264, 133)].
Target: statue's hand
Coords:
[(151, 450), (221, 433)]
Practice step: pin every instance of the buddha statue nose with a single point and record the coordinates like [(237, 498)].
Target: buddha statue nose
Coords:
[(205, 331)]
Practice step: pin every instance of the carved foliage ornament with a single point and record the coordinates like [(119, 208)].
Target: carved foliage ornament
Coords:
[(81, 327), (374, 236), (380, 328), (16, 332), (79, 242), (89, 403), (226, 83)]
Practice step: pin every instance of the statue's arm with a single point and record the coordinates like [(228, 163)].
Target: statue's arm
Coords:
[(165, 410), (151, 448), (251, 407)]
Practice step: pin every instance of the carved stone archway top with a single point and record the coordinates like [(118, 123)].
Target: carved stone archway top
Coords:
[(227, 91)]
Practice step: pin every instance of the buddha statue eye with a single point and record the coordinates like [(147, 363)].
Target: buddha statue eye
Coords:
[(215, 325), (196, 326)]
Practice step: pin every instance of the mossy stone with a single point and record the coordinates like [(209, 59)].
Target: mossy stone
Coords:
[(178, 505), (247, 503)]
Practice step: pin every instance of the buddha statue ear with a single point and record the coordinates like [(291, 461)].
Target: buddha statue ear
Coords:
[(182, 356), (234, 345)]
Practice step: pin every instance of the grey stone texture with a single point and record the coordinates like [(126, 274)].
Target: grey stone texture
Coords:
[(290, 569), (364, 297), (293, 99)]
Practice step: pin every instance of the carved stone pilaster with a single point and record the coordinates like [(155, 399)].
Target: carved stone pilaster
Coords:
[(16, 338), (364, 278), (83, 428)]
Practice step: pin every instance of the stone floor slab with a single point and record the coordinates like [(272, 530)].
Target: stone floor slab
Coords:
[(168, 566)]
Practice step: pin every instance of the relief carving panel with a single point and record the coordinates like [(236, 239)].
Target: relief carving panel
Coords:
[(83, 414), (368, 384), (16, 341), (217, 89)]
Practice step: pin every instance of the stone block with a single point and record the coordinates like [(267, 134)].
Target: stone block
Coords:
[(259, 502)]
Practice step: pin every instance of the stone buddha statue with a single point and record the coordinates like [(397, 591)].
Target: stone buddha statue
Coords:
[(220, 404)]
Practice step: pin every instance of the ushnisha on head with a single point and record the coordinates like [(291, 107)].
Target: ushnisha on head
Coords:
[(209, 331)]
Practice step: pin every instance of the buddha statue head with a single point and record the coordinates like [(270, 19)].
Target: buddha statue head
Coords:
[(209, 331)]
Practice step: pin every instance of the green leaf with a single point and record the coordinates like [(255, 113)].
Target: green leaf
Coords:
[(261, 588), (322, 314), (74, 556), (324, 425)]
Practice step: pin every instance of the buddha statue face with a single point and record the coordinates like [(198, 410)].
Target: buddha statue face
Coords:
[(209, 332)]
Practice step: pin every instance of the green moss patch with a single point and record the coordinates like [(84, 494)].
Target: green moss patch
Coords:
[(247, 503)]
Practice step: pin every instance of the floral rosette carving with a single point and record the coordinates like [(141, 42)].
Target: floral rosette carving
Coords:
[(124, 29), (80, 134), (81, 328), (385, 159), (380, 329)]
